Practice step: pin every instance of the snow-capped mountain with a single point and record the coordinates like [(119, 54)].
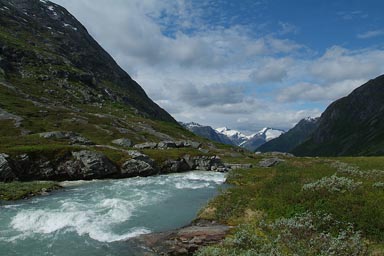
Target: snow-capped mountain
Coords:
[(253, 141), (234, 137)]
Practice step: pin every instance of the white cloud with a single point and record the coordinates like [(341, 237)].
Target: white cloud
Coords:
[(316, 92), (204, 73), (370, 34), (271, 70), (340, 64)]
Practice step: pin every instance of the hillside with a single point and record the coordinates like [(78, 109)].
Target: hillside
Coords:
[(68, 111), (292, 138), (353, 125)]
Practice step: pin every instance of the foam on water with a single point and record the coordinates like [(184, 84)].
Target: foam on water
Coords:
[(105, 211)]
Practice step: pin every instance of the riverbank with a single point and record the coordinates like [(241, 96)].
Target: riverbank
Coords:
[(21, 190), (307, 205)]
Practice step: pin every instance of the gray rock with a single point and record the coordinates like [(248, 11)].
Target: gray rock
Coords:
[(141, 157), (146, 145), (193, 144), (166, 144), (183, 241), (133, 167), (269, 162), (89, 164), (205, 163), (124, 142), (74, 138), (175, 166), (6, 172), (238, 166)]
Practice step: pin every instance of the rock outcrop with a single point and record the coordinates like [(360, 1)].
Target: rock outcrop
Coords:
[(123, 142), (269, 162), (183, 241), (73, 137), (6, 173)]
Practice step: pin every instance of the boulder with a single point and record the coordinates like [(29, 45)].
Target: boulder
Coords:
[(193, 144), (146, 145), (124, 142), (269, 162), (238, 166), (142, 157), (175, 166), (184, 241), (74, 137), (166, 144), (6, 172), (133, 168), (88, 165)]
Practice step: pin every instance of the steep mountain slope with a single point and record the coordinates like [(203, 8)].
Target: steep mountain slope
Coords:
[(47, 52), (353, 125), (292, 138), (68, 111)]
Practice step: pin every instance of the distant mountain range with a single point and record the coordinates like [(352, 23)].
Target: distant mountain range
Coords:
[(234, 137)]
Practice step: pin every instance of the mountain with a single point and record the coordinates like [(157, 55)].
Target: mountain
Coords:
[(233, 137), (260, 138), (350, 126), (49, 55), (68, 111), (236, 137), (207, 132), (292, 138)]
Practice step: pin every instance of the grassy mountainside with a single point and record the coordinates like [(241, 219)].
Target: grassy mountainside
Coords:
[(353, 125), (55, 77), (280, 209)]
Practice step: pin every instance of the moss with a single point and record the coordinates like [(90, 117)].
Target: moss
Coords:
[(20, 190)]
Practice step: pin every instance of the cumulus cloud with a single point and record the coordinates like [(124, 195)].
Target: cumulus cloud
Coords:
[(207, 73), (316, 92), (340, 64), (271, 70)]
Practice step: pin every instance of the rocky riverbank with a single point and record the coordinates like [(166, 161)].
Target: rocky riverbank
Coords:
[(183, 241), (82, 162)]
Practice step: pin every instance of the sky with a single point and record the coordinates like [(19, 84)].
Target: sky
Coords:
[(243, 64)]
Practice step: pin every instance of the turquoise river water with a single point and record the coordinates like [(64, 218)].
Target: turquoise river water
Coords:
[(96, 217)]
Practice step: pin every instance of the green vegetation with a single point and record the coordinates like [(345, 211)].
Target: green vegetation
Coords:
[(20, 190), (298, 191)]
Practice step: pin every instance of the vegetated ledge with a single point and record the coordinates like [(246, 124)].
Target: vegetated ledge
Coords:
[(22, 190)]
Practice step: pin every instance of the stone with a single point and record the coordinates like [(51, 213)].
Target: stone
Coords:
[(146, 145), (175, 166), (238, 166), (6, 171), (89, 164), (124, 142), (184, 241), (269, 162), (74, 137), (133, 168), (142, 157), (193, 144), (166, 144)]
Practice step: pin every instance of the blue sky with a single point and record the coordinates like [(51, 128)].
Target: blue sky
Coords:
[(243, 64)]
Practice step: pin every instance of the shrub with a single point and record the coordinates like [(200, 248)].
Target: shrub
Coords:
[(333, 184), (304, 234)]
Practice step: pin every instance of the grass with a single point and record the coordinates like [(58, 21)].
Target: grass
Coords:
[(267, 194), (20, 190)]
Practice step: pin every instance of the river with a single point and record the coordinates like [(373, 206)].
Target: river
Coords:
[(95, 217)]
